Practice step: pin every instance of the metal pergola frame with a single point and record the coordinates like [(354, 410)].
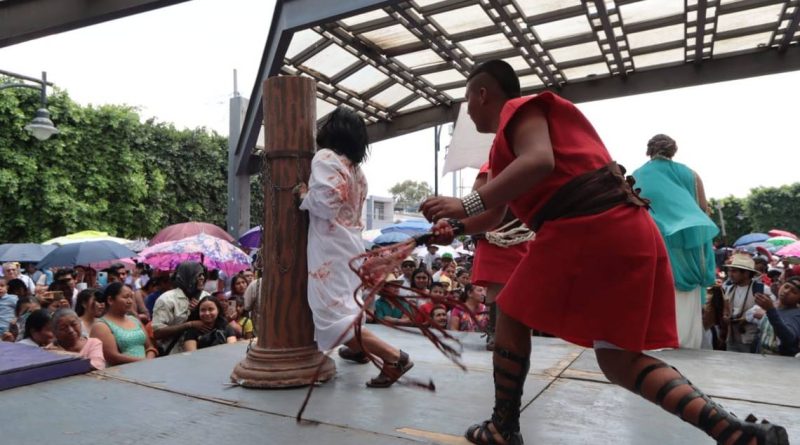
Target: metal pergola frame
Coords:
[(608, 30)]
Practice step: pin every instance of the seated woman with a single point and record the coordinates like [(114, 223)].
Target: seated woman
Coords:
[(67, 329), (123, 336), (461, 320), (38, 331), (90, 305), (215, 329)]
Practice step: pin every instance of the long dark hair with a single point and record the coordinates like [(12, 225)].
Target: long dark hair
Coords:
[(345, 133), (84, 296), (414, 274), (220, 323), (36, 321)]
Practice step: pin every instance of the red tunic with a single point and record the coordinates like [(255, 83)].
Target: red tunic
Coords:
[(603, 277), (494, 264)]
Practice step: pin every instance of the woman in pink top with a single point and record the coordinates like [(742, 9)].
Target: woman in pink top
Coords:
[(67, 329)]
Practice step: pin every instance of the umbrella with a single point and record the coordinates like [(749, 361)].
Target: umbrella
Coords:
[(370, 235), (753, 247), (422, 250), (790, 250), (78, 254), (391, 238), (780, 241), (86, 235), (251, 238), (213, 252), (128, 263), (410, 227), (750, 239), (24, 252), (777, 232), (180, 231)]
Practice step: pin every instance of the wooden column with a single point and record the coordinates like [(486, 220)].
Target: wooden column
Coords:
[(286, 354)]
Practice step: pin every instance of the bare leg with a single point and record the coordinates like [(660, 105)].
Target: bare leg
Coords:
[(511, 359), (663, 385), (375, 345)]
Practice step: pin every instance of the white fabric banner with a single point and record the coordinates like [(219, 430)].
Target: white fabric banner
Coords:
[(468, 148)]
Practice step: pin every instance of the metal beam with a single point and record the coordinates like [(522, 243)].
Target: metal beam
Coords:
[(375, 57), (288, 16), (22, 20), (607, 29), (409, 123), (525, 47), (309, 52), (700, 26), (788, 35), (455, 56), (685, 75)]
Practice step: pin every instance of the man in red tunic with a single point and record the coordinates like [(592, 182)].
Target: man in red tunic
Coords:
[(493, 264), (551, 169)]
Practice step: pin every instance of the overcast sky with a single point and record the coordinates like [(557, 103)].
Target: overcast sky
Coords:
[(176, 64)]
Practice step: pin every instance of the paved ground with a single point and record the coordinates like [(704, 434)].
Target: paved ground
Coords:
[(186, 399)]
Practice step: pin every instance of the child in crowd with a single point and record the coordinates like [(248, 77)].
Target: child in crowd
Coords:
[(38, 331)]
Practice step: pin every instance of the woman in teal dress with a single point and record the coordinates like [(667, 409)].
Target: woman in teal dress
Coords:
[(679, 207), (123, 336)]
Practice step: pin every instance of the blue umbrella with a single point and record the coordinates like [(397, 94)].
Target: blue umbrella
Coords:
[(251, 238), (391, 238), (753, 247), (24, 252), (78, 254), (411, 227), (750, 239)]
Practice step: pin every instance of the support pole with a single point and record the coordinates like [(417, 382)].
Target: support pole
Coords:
[(286, 354)]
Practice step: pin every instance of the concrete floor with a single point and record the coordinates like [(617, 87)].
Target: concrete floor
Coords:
[(186, 399)]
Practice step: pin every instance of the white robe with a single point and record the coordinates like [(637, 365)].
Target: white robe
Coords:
[(336, 194)]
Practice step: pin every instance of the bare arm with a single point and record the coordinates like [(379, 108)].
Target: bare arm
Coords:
[(190, 345), (452, 323), (530, 141), (701, 193), (110, 350), (171, 331)]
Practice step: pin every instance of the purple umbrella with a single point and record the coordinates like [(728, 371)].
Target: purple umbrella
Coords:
[(213, 252), (183, 230), (251, 238)]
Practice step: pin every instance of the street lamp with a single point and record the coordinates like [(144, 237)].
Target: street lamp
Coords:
[(41, 127)]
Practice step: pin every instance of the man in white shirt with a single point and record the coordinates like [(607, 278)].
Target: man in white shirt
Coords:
[(740, 304), (447, 260), (430, 257), (12, 271), (171, 311)]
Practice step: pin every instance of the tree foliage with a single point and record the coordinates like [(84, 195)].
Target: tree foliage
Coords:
[(410, 193), (766, 208), (106, 170), (775, 207)]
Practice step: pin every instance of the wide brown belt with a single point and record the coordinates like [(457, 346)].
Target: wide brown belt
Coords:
[(589, 194)]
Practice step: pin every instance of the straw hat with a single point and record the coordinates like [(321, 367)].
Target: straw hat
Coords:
[(744, 262)]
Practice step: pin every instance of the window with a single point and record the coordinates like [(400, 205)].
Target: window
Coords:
[(378, 212)]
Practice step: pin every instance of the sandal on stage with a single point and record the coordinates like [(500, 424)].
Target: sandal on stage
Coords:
[(353, 355), (505, 417), (392, 372), (765, 433)]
